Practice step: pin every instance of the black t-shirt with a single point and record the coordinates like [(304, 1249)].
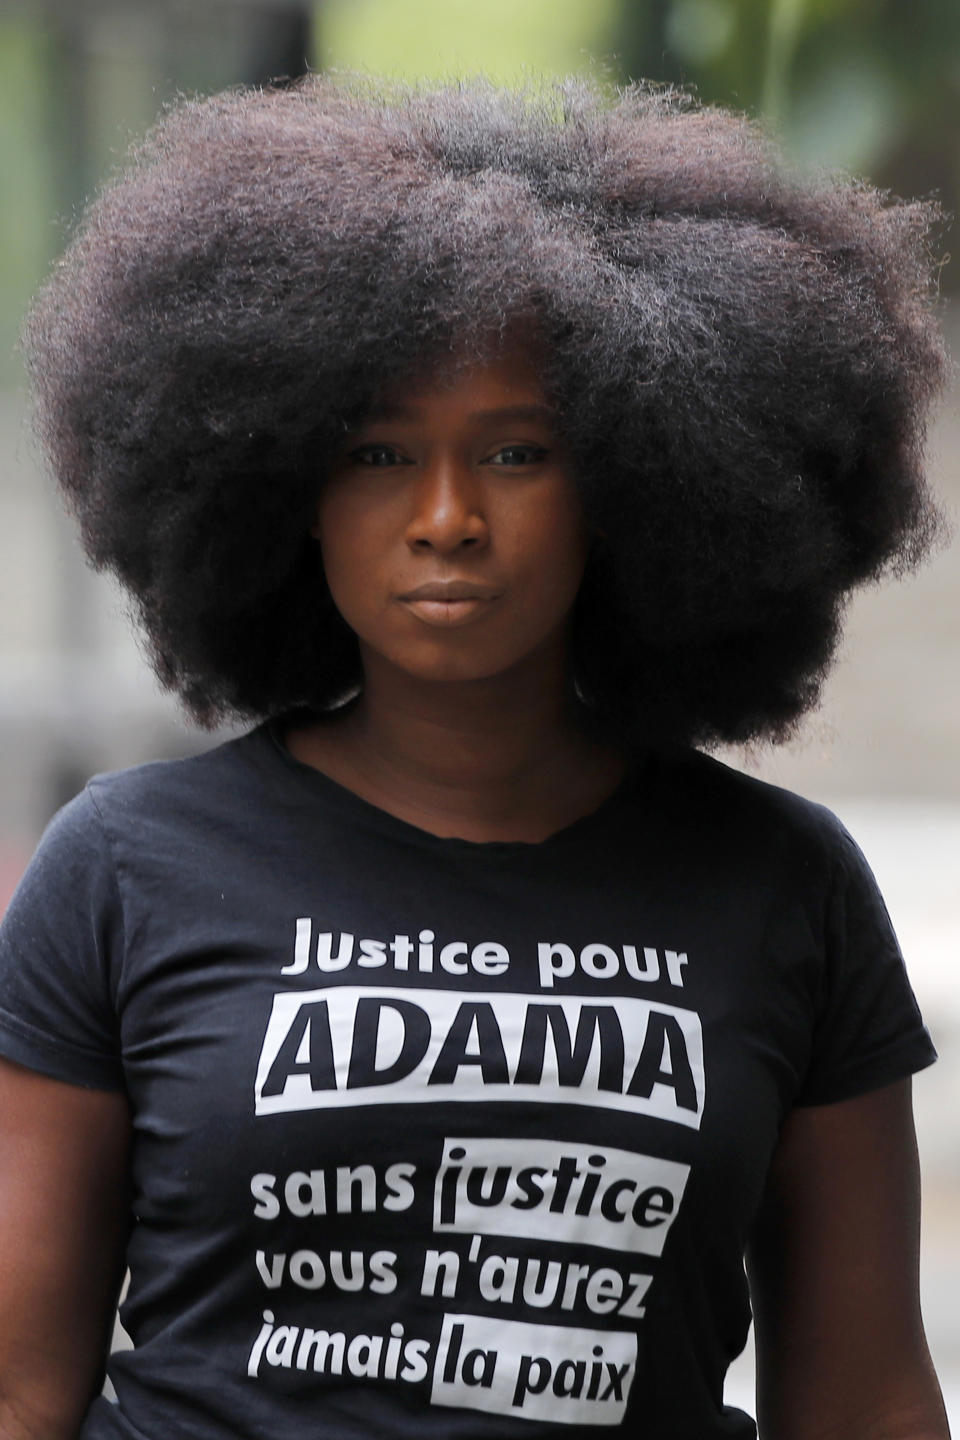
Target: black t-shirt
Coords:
[(437, 1138)]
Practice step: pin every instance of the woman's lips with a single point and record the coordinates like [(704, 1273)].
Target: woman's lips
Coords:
[(449, 604), (447, 612)]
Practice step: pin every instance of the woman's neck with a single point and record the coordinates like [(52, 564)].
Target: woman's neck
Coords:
[(498, 759)]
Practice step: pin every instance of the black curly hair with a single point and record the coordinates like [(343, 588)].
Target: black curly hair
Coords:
[(743, 362)]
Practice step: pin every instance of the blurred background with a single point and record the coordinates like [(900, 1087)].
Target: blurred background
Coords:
[(871, 86)]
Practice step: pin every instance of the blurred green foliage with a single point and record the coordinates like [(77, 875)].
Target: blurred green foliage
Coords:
[(507, 40), (870, 86), (27, 174)]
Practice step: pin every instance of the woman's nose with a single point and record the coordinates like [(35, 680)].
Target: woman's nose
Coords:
[(448, 511)]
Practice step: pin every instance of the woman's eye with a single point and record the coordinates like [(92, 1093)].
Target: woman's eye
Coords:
[(516, 455), (378, 456)]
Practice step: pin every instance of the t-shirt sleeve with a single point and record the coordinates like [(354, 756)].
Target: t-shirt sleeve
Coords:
[(868, 1031), (61, 944)]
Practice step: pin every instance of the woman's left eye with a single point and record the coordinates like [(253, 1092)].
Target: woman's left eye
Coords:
[(517, 455)]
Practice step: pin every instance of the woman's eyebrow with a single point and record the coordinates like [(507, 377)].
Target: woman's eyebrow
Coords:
[(540, 414)]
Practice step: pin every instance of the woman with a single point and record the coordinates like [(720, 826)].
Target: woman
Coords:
[(432, 1054)]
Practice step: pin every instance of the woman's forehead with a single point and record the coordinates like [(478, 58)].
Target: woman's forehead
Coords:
[(498, 373)]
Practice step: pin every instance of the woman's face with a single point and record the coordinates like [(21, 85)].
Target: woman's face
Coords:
[(450, 528)]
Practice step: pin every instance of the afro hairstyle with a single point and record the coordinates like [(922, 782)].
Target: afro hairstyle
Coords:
[(742, 360)]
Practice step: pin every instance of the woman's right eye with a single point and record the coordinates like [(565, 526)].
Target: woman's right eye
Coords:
[(378, 456)]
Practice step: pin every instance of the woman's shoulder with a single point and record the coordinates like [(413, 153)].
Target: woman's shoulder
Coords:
[(730, 808), (157, 786)]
